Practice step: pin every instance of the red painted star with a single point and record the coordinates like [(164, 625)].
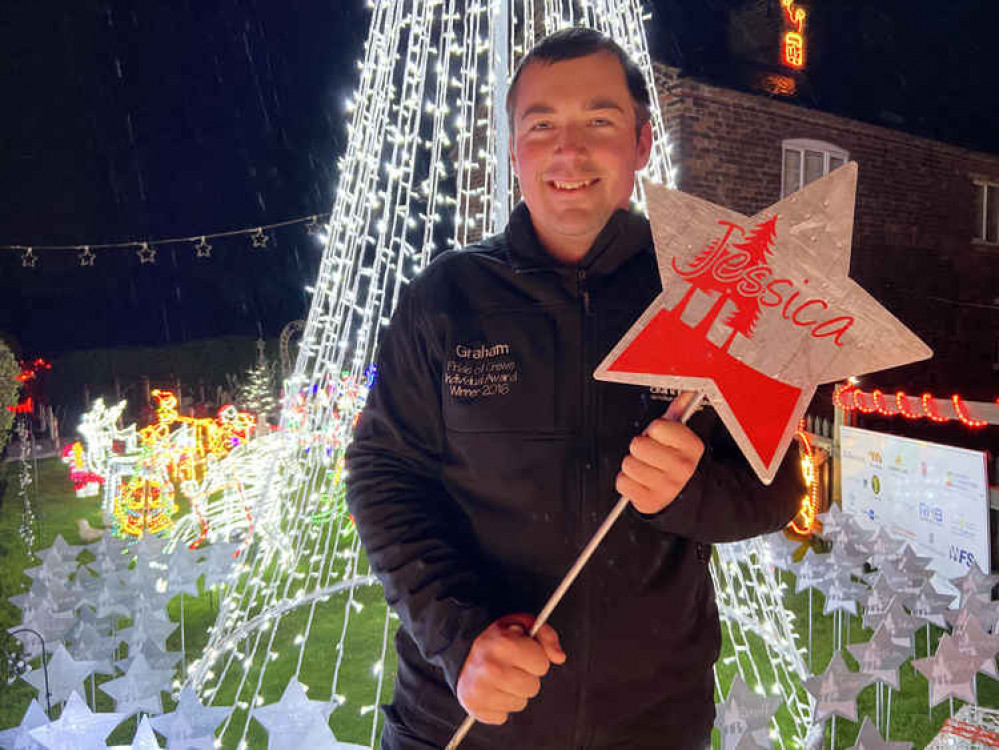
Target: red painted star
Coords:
[(757, 311)]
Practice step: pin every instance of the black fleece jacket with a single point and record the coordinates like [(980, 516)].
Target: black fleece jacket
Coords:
[(484, 460)]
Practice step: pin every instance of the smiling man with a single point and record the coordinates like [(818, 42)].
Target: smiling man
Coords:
[(487, 456)]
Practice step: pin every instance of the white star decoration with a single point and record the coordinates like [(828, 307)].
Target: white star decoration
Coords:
[(949, 672), (881, 657), (899, 624), (836, 690), (86, 257), (929, 605), (972, 640), (19, 738), (744, 713), (877, 601), (139, 690), (975, 583), (870, 739), (61, 550), (144, 738), (78, 728), (191, 725), (841, 594), (66, 675), (289, 721), (147, 627)]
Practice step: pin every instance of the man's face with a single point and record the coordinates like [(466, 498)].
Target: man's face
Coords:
[(574, 148)]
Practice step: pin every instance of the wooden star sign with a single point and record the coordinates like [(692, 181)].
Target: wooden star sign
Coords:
[(757, 311)]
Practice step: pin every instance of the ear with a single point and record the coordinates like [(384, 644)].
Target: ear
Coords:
[(512, 150), (644, 150)]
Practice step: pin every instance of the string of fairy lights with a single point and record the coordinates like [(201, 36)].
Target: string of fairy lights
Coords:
[(86, 253)]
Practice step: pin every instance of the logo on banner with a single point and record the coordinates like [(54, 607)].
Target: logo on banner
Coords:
[(961, 555), (931, 513)]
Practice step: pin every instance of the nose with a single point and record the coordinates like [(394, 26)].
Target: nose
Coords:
[(570, 139)]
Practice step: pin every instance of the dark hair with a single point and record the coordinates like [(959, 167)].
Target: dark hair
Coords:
[(569, 44)]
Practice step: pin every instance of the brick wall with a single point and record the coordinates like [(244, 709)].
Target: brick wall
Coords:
[(912, 245)]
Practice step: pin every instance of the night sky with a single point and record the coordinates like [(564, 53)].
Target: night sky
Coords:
[(142, 120)]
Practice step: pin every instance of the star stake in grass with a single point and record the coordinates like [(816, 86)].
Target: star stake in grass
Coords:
[(757, 311)]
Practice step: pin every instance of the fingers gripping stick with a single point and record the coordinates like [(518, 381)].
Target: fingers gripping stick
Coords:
[(680, 410)]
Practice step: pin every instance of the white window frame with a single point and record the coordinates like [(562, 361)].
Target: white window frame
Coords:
[(801, 145), (981, 231)]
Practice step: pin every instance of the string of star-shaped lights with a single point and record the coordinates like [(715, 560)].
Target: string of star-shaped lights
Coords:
[(259, 238), (146, 254), (146, 250)]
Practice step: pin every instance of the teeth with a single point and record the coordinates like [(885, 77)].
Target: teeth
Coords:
[(572, 185)]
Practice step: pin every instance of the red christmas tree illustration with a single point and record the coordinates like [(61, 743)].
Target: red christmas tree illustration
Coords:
[(702, 280), (758, 244)]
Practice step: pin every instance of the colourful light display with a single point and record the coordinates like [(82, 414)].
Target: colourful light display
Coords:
[(85, 482), (850, 398), (804, 522), (142, 470), (793, 41)]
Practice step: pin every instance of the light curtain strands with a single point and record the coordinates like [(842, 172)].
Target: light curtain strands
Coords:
[(25, 479), (417, 176), (750, 597)]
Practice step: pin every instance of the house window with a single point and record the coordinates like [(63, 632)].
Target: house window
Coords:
[(987, 212), (806, 160)]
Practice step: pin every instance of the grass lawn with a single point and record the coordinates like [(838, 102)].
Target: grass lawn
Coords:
[(57, 510)]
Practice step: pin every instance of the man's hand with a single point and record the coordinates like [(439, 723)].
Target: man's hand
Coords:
[(504, 667), (659, 465)]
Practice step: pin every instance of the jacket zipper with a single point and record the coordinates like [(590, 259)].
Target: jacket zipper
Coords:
[(582, 709)]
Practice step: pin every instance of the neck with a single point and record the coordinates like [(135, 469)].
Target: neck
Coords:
[(567, 250)]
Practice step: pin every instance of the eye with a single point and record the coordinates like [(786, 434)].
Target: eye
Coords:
[(541, 125), (600, 121)]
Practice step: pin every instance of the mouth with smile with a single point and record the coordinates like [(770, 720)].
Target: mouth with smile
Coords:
[(571, 186)]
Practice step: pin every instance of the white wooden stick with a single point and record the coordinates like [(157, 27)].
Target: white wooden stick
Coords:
[(574, 571)]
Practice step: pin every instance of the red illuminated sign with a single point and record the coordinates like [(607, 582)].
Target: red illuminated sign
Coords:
[(792, 47)]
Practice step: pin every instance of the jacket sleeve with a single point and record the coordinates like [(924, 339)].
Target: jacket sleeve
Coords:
[(410, 527), (724, 501)]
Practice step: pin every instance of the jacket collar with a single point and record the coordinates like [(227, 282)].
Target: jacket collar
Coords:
[(625, 234)]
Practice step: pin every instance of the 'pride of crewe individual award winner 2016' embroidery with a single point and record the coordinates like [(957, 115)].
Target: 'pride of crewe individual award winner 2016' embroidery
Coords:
[(757, 311)]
